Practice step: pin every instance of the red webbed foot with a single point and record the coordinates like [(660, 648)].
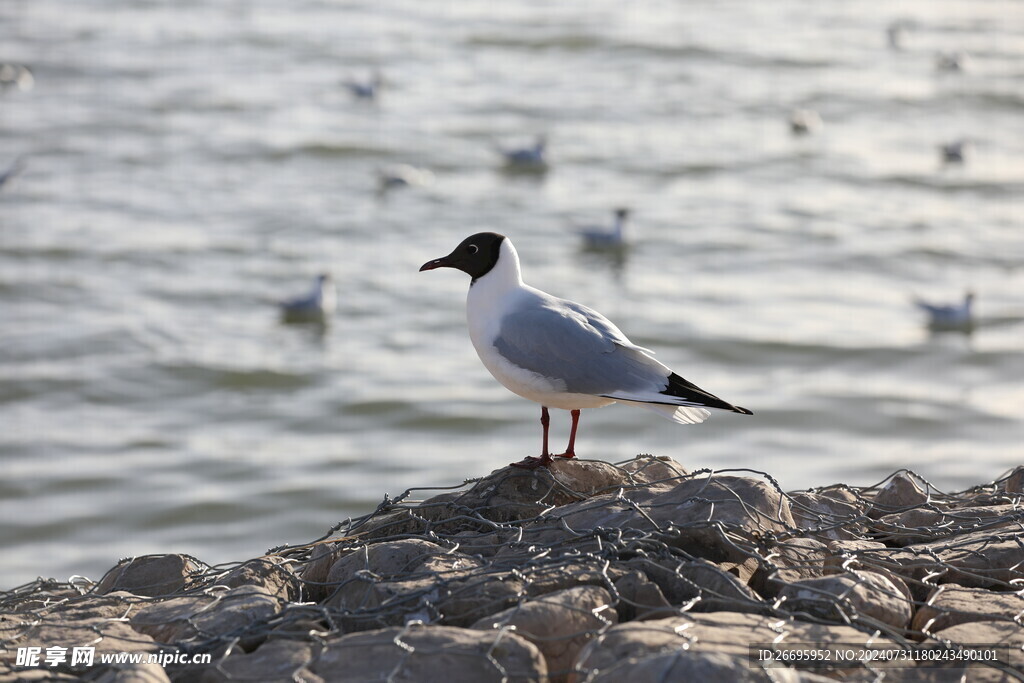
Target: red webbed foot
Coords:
[(532, 463)]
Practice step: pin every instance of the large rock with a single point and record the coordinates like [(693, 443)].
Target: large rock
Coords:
[(71, 621), (274, 660), (699, 585), (429, 653), (926, 525), (152, 575), (266, 573), (388, 583), (559, 624), (951, 605), (704, 516), (902, 491), (236, 613), (845, 555), (622, 652), (1007, 636), (1014, 482), (857, 597), (639, 597), (792, 560), (512, 494), (314, 571), (980, 559), (835, 513)]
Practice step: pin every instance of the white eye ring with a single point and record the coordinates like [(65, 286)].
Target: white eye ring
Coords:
[(472, 249)]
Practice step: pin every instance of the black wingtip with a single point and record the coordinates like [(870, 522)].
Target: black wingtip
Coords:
[(682, 388)]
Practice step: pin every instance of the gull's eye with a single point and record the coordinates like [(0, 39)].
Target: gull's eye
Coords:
[(472, 249)]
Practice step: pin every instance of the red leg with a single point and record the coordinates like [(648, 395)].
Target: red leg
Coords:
[(570, 451), (530, 462)]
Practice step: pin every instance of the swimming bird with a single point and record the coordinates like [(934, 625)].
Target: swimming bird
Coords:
[(601, 237), (949, 316), (16, 75), (804, 121), (365, 90), (527, 158), (559, 353), (317, 305), (955, 152)]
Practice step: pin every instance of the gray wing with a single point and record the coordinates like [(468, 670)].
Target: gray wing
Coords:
[(579, 346)]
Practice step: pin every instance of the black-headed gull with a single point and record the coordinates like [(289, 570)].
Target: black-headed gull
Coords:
[(527, 158), (601, 237), (317, 305), (559, 353), (949, 316), (365, 90)]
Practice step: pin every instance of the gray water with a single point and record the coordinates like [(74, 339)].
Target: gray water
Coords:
[(187, 163)]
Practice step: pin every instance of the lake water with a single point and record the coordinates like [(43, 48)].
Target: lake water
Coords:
[(187, 163)]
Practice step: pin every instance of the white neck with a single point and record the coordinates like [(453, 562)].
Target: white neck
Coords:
[(489, 294)]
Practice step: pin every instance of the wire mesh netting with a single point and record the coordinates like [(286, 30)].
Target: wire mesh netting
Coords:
[(585, 571)]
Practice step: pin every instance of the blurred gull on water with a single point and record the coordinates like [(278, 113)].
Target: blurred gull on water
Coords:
[(531, 158), (316, 306), (368, 89), (606, 237), (949, 316)]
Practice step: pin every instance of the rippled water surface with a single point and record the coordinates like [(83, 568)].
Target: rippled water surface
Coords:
[(187, 163)]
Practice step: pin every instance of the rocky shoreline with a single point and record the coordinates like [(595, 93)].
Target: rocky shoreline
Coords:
[(587, 571)]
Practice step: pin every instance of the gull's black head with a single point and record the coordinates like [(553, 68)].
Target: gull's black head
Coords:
[(475, 256)]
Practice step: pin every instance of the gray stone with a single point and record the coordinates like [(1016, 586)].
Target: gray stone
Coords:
[(691, 666), (925, 525), (274, 660), (951, 605), (409, 576), (559, 624), (625, 648), (152, 575), (700, 586), (845, 555), (239, 612), (639, 597), (980, 559), (794, 559), (699, 515), (835, 513), (1014, 482), (322, 556), (900, 493), (649, 469), (417, 653), (857, 597), (266, 573)]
